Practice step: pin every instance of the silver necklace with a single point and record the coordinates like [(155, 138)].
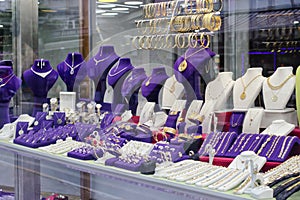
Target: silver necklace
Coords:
[(72, 67), (117, 72), (21, 127), (1, 79), (101, 60), (41, 74), (3, 84)]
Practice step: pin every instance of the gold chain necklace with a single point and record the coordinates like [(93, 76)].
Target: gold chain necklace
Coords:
[(243, 94), (183, 65), (277, 87)]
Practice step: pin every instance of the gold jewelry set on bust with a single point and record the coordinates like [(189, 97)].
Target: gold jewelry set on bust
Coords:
[(181, 31)]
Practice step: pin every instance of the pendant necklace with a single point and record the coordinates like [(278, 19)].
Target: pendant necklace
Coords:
[(252, 118), (235, 124), (59, 119), (183, 65), (277, 87), (21, 127), (73, 67), (3, 84), (243, 94), (172, 88)]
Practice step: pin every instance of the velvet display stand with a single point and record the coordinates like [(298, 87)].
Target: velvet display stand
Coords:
[(72, 71), (40, 78), (153, 84), (188, 69), (98, 68), (116, 78), (9, 84), (131, 87)]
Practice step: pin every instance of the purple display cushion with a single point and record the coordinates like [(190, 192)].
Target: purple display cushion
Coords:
[(21, 128), (224, 143), (234, 149), (132, 83), (39, 118), (291, 143), (59, 119), (213, 139), (111, 161), (128, 166), (77, 155)]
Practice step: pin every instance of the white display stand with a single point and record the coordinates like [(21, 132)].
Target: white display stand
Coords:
[(109, 94), (252, 121), (216, 94), (172, 91), (147, 112), (278, 88), (247, 88), (289, 115), (279, 128), (67, 101), (142, 101), (240, 161), (275, 100), (192, 112), (178, 106)]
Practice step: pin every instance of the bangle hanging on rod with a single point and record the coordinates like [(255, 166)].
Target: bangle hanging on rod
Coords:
[(193, 36), (133, 42), (203, 41), (188, 3)]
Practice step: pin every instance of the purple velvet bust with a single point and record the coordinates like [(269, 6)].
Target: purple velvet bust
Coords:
[(98, 67), (40, 78), (131, 86), (153, 84), (72, 70), (9, 84), (116, 77)]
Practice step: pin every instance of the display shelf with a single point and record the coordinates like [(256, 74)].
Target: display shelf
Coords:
[(134, 179)]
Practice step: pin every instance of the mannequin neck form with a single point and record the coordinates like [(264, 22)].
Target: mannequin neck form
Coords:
[(283, 71), (123, 62), (158, 70), (137, 72), (105, 50), (74, 58), (8, 63), (254, 71), (41, 65), (5, 71), (225, 75)]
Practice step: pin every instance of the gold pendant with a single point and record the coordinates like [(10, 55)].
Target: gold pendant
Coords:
[(182, 66), (274, 98), (243, 95), (148, 81), (21, 132)]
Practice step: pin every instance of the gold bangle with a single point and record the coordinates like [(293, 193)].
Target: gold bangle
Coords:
[(172, 22), (168, 44), (202, 41), (133, 42), (198, 6), (181, 45), (162, 45), (142, 42), (145, 11), (193, 22), (191, 37), (220, 8), (186, 10), (199, 21), (157, 10)]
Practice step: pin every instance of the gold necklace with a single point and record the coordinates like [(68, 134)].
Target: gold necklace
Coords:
[(282, 147), (277, 87), (243, 94), (183, 65), (148, 81), (172, 88)]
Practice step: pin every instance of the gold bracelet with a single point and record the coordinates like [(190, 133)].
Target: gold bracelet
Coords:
[(199, 21), (145, 11), (164, 9), (179, 44), (133, 42), (220, 8), (186, 10), (141, 42), (157, 10), (193, 37), (202, 41), (180, 20)]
